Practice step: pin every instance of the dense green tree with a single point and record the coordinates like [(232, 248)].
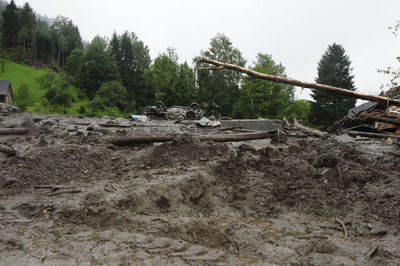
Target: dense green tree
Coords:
[(115, 48), (27, 23), (334, 69), (60, 96), (185, 88), (110, 94), (301, 109), (74, 63), (66, 38), (45, 46), (10, 25), (220, 89), (162, 76), (173, 83), (3, 58), (132, 57), (261, 98), (47, 80), (98, 67), (22, 96)]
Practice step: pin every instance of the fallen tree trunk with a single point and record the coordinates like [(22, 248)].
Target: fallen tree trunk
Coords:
[(372, 135), (13, 131), (316, 86), (297, 125), (384, 119), (133, 140)]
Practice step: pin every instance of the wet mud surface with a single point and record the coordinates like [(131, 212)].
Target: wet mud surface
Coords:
[(70, 198)]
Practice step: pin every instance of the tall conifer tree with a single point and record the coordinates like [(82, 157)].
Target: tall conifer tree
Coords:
[(334, 69), (10, 25)]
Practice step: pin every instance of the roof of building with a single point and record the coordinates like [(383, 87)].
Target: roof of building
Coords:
[(4, 85)]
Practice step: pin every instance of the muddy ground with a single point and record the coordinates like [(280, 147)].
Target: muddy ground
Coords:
[(68, 197)]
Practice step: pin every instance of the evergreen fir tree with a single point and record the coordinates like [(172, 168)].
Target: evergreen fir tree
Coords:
[(10, 25), (334, 69)]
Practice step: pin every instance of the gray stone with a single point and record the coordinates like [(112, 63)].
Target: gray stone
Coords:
[(345, 138)]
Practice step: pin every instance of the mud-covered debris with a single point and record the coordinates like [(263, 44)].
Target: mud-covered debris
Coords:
[(9, 151)]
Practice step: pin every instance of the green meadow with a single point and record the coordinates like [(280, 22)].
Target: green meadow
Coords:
[(19, 74)]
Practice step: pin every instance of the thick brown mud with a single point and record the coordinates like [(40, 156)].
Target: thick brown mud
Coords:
[(70, 198)]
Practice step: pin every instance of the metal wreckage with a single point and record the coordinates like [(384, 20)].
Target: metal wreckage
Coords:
[(160, 111)]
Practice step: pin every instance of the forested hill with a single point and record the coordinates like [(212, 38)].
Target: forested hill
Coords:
[(116, 75)]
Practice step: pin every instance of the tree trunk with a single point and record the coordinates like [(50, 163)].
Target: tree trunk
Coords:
[(316, 86), (133, 140), (59, 52), (13, 131), (34, 49)]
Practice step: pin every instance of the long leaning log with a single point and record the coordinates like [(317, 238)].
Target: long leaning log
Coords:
[(134, 140), (309, 85), (13, 131)]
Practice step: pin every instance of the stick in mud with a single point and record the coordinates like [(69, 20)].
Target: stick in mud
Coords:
[(342, 224), (372, 135)]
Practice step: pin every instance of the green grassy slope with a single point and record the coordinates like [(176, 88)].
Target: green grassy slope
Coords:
[(19, 74)]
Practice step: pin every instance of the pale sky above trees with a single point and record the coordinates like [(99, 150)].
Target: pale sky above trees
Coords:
[(295, 32)]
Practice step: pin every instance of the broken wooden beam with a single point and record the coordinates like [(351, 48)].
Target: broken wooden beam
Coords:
[(372, 135), (309, 85), (134, 140), (384, 119), (13, 131)]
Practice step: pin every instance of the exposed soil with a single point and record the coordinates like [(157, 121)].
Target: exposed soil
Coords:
[(70, 198)]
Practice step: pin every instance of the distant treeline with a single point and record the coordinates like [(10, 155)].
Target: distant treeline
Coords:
[(118, 72)]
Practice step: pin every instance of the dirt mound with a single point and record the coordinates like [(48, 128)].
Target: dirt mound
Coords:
[(315, 177), (54, 165), (184, 150)]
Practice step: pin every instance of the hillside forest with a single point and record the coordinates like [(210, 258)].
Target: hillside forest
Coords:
[(116, 76)]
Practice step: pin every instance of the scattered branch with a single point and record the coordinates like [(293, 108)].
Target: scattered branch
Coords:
[(342, 224)]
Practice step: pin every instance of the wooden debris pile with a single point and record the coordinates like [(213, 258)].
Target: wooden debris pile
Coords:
[(370, 119)]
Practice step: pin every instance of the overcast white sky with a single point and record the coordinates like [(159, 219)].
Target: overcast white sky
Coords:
[(295, 32)]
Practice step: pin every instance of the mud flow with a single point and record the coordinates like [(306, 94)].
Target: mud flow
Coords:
[(69, 197)]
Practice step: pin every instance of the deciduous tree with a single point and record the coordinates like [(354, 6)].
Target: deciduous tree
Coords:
[(220, 89), (261, 98), (98, 67)]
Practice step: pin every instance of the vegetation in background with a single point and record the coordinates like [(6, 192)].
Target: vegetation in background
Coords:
[(172, 82), (334, 69), (262, 98), (394, 74), (220, 89), (118, 77)]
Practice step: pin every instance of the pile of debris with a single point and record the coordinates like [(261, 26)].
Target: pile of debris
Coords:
[(8, 108), (371, 119), (160, 111)]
